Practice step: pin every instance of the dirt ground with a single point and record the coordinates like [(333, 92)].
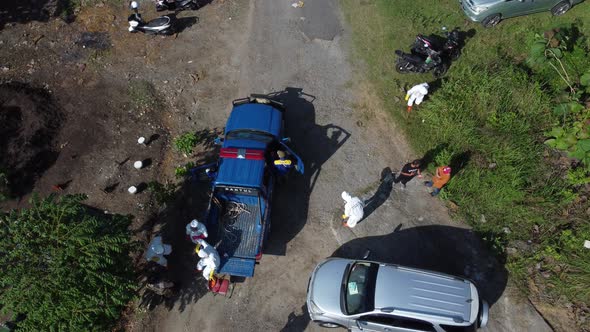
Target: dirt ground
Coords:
[(90, 89)]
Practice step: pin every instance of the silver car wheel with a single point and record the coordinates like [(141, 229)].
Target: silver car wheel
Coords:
[(561, 8), (328, 325), (491, 21)]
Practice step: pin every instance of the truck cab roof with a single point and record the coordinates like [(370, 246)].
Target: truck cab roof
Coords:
[(255, 117)]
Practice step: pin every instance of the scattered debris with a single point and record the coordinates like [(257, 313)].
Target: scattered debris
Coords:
[(141, 140), (195, 77), (36, 40), (138, 164), (110, 188), (482, 219), (298, 4), (132, 190), (120, 163), (506, 230), (587, 244)]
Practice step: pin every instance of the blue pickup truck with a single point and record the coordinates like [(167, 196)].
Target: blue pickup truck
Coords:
[(238, 216)]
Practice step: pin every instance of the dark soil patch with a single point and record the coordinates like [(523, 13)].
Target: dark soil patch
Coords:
[(30, 121)]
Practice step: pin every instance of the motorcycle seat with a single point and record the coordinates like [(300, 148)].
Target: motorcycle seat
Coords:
[(158, 22), (413, 57)]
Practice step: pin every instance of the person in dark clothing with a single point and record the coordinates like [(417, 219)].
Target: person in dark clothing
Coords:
[(408, 172)]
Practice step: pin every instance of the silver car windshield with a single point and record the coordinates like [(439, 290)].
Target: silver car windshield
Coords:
[(360, 288)]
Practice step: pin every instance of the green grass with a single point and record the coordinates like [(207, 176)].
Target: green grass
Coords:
[(489, 115)]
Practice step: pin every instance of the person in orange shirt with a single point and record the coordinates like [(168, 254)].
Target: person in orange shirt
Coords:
[(442, 176)]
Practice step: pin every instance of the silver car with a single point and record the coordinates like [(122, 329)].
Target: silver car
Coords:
[(491, 12), (363, 295)]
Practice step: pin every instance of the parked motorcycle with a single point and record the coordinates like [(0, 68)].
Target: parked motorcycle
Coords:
[(160, 26), (449, 48), (419, 63), (177, 5), (430, 54)]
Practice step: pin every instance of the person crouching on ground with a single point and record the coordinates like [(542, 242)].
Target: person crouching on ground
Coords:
[(353, 210), (440, 178), (416, 94), (209, 259), (408, 172)]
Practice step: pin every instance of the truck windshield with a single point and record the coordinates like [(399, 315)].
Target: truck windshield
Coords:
[(360, 287), (255, 135)]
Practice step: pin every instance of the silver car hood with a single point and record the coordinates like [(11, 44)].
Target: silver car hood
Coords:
[(326, 286)]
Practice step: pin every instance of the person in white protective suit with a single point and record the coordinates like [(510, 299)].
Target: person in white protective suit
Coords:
[(416, 95), (196, 230), (353, 210), (156, 251), (209, 259)]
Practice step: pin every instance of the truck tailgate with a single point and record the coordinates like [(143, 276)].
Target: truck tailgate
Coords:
[(241, 267)]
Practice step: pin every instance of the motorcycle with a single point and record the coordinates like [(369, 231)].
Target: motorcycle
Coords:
[(419, 63), (160, 26), (430, 53), (450, 48), (177, 5)]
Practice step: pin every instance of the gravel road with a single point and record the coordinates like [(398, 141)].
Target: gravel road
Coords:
[(346, 142)]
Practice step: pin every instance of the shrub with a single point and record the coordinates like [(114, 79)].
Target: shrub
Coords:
[(186, 142), (182, 171), (63, 267)]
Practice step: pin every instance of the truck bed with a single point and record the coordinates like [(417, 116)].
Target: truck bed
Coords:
[(240, 236)]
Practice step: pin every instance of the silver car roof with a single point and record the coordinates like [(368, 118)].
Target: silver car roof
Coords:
[(423, 294)]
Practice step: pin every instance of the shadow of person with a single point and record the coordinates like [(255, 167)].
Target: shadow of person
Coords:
[(381, 194), (459, 161), (297, 322), (451, 250), (315, 144), (431, 154)]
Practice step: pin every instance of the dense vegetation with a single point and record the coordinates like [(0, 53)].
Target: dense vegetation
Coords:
[(64, 267), (516, 87)]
